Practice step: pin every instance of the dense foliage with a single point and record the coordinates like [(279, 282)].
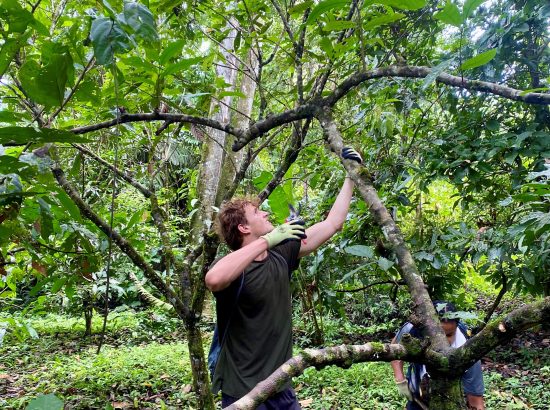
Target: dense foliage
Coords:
[(114, 99)]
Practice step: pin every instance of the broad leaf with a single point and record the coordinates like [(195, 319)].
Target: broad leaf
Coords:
[(300, 8), (181, 65), (16, 16), (450, 15), (479, 60), (338, 25), (360, 250), (23, 135), (325, 6), (108, 38), (46, 84), (434, 73), (469, 7), (384, 264), (384, 19), (9, 49), (400, 4), (141, 20), (45, 402), (173, 50)]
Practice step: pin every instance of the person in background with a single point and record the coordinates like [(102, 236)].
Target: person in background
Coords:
[(415, 386)]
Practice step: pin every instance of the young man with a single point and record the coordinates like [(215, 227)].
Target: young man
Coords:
[(252, 290), (414, 386)]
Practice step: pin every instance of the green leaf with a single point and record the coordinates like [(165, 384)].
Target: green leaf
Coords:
[(479, 60), (23, 135), (45, 402), (10, 117), (400, 4), (469, 7), (338, 25), (181, 65), (384, 263), (360, 250), (9, 49), (434, 73), (534, 90), (493, 125), (262, 180), (58, 284), (68, 204), (17, 17), (46, 84), (326, 46), (174, 49), (325, 6), (108, 38), (450, 15), (300, 8), (384, 19), (278, 202), (141, 20)]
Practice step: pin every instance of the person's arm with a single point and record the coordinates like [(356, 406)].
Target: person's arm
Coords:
[(397, 366), (321, 232), (232, 265), (400, 380), (475, 402)]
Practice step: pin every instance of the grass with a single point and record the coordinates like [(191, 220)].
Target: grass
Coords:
[(145, 365)]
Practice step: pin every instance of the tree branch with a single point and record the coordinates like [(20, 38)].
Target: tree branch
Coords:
[(307, 110), (157, 116), (343, 356), (122, 243), (424, 316), (146, 193), (501, 331)]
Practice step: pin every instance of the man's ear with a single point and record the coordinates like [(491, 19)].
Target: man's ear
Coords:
[(243, 228)]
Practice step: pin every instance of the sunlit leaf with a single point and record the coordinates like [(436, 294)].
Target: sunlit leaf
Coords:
[(469, 7), (450, 15), (300, 8), (324, 6), (382, 20), (479, 60)]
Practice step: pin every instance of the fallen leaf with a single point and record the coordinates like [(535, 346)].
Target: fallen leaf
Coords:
[(306, 402)]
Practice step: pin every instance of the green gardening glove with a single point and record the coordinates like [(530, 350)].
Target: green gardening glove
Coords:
[(289, 230)]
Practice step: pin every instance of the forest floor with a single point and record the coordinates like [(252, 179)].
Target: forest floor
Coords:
[(144, 364)]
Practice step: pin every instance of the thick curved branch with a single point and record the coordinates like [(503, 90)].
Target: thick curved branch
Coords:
[(501, 331), (158, 116), (343, 356), (121, 242), (443, 78), (424, 313), (307, 110)]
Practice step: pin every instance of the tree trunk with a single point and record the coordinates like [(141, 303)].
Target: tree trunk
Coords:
[(446, 394), (201, 381)]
